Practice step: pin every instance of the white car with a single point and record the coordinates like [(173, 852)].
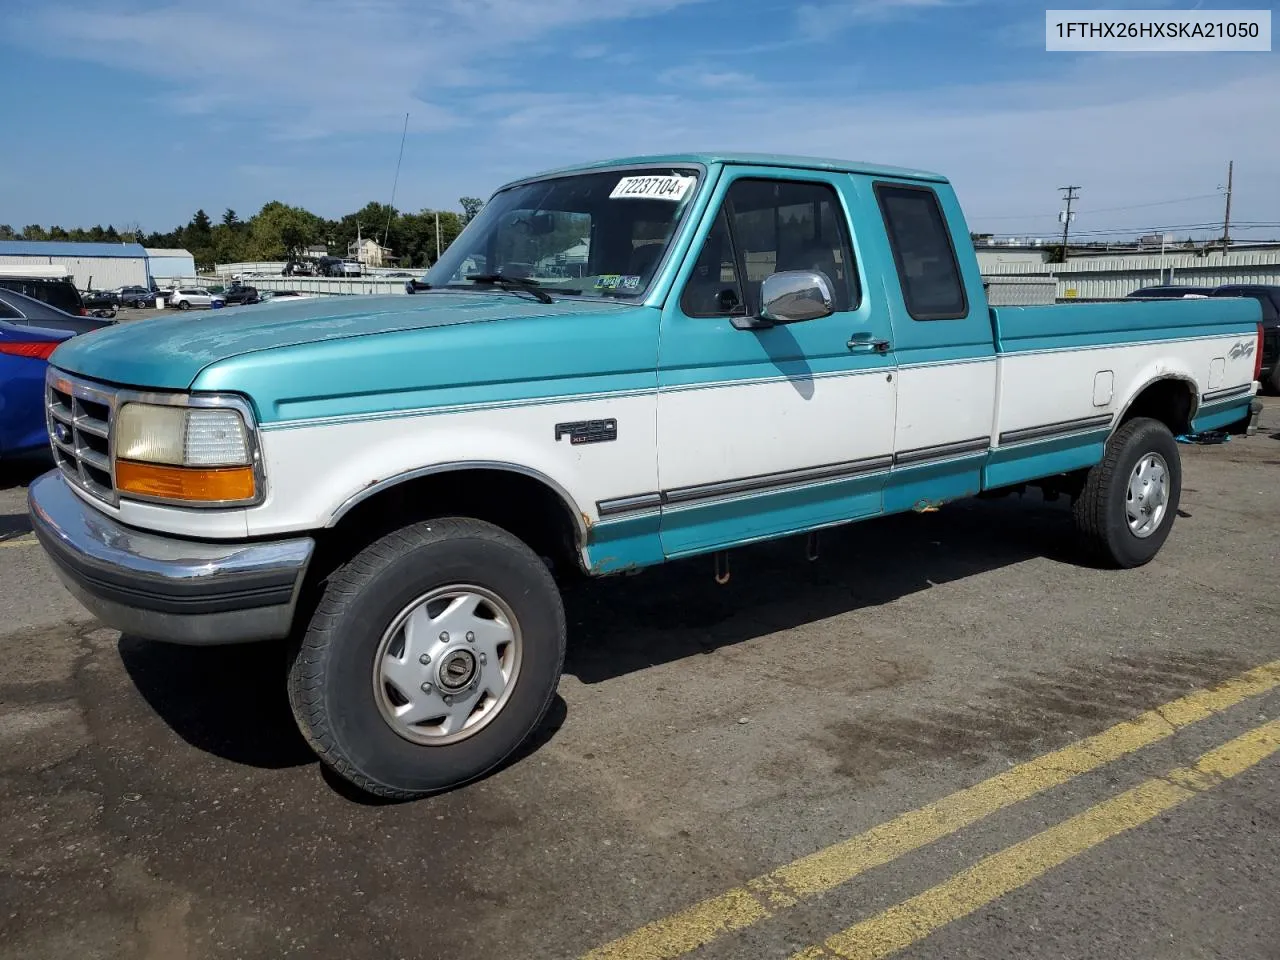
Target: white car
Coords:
[(184, 298)]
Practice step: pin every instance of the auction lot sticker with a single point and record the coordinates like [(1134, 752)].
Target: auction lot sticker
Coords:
[(664, 187)]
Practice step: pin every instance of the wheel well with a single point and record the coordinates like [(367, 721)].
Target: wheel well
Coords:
[(1168, 401), (522, 505)]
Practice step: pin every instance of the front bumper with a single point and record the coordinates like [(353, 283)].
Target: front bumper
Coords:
[(163, 588)]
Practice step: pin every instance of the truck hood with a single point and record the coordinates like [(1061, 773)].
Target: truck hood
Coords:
[(169, 352)]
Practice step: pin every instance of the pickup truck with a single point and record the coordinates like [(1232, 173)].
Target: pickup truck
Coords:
[(747, 347)]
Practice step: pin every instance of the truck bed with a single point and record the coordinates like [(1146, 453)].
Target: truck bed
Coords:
[(1057, 326)]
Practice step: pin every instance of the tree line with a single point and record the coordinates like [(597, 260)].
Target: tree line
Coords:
[(280, 232)]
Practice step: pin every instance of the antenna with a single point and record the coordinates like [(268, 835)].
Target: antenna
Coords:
[(392, 205)]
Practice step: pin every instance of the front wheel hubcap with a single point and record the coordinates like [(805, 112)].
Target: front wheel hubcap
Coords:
[(447, 664), (1147, 498)]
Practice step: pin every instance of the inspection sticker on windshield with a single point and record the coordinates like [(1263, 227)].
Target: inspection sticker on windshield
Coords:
[(652, 188)]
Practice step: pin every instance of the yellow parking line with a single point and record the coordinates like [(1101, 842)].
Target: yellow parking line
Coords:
[(825, 869), (1016, 866)]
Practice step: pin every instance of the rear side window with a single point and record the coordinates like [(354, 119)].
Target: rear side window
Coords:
[(922, 252), (8, 313), (60, 293)]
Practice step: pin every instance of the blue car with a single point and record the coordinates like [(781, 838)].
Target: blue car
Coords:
[(30, 330)]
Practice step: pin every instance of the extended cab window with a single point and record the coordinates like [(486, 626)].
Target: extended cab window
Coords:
[(922, 252), (765, 227)]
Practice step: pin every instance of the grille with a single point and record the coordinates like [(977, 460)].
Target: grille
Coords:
[(80, 418)]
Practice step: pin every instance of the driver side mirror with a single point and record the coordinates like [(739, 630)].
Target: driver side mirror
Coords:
[(791, 296)]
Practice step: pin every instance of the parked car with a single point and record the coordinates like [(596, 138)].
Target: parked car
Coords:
[(24, 311), (1171, 291), (24, 355), (184, 298), (274, 296), (30, 330), (135, 296), (1268, 297), (421, 468), (240, 293), (51, 284), (99, 303)]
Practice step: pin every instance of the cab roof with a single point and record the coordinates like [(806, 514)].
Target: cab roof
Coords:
[(746, 159)]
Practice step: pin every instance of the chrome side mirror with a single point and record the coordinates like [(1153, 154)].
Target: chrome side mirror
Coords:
[(791, 296)]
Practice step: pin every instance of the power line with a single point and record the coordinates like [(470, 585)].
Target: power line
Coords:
[(1133, 206)]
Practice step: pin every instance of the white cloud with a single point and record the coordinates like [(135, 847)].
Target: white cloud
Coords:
[(1128, 129), (314, 67), (702, 78), (817, 20)]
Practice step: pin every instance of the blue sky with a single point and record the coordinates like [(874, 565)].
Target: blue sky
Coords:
[(140, 111)]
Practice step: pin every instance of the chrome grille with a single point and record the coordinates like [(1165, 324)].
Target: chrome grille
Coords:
[(80, 417)]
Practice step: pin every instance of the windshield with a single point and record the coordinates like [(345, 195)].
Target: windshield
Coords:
[(591, 234)]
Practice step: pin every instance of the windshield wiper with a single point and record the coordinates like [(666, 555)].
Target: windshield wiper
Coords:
[(511, 283)]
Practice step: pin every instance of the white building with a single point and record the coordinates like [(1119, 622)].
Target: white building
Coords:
[(370, 253), (168, 264), (93, 266), (101, 266)]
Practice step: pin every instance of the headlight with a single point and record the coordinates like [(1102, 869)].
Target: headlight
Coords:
[(194, 454)]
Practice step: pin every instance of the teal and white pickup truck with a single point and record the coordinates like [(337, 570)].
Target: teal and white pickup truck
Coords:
[(613, 366)]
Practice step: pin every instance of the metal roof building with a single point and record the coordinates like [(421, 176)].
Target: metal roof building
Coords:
[(97, 266), (167, 264)]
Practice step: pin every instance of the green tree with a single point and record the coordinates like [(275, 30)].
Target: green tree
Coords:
[(470, 207), (278, 231), (229, 218), (33, 231), (7, 232)]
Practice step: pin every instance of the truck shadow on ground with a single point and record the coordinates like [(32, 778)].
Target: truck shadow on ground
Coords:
[(19, 473), (14, 525), (621, 625), (15, 474), (231, 702)]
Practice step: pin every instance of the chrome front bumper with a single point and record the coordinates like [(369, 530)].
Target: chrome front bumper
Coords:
[(164, 588)]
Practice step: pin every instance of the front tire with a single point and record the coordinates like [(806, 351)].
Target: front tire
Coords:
[(183, 305), (1130, 499), (432, 655)]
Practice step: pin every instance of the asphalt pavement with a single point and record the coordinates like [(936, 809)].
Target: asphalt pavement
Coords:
[(946, 737)]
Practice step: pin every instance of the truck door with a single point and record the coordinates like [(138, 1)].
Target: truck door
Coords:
[(943, 340), (768, 431)]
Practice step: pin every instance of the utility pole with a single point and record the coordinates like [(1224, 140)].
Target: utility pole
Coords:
[(1226, 220), (1069, 194)]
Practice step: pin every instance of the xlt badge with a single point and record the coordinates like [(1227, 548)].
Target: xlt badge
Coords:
[(588, 431)]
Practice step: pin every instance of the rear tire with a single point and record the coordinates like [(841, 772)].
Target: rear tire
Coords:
[(1130, 499), (1273, 379), (359, 668)]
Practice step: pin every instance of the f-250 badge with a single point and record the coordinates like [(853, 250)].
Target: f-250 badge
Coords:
[(1243, 348), (588, 431)]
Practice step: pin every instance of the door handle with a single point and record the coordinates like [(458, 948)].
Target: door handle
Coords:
[(865, 343)]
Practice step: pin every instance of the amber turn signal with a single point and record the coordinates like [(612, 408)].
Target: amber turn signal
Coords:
[(210, 485)]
